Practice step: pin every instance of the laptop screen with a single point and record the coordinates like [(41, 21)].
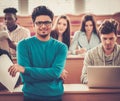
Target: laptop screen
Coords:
[(103, 76)]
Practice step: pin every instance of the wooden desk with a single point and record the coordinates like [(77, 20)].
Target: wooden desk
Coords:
[(72, 92), (74, 66), (80, 92), (16, 95)]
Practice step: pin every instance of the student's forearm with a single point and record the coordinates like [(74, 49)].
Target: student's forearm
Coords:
[(11, 44)]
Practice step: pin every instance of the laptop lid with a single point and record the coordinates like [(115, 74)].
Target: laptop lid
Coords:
[(103, 76)]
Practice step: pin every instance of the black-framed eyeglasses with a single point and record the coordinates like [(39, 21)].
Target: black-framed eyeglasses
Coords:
[(40, 23)]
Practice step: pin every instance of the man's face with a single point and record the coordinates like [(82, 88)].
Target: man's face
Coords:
[(43, 26), (108, 42), (10, 20)]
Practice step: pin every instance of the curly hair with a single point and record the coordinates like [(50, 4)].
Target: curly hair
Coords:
[(10, 10), (42, 10), (109, 26)]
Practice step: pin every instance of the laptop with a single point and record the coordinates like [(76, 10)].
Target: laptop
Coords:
[(103, 76)]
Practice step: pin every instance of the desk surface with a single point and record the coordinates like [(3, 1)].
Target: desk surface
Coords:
[(80, 56), (82, 88), (72, 92), (70, 88), (80, 92)]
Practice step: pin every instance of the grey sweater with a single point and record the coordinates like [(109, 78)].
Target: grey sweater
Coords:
[(97, 57)]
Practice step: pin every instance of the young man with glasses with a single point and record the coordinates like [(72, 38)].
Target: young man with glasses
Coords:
[(41, 60)]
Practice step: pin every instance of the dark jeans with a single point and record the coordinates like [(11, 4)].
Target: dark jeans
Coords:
[(29, 99)]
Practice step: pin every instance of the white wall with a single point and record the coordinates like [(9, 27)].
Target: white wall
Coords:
[(79, 6), (57, 6), (64, 6), (102, 6)]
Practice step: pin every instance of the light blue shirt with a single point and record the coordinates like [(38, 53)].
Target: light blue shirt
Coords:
[(80, 40)]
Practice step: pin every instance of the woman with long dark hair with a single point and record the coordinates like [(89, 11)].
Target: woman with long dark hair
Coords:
[(61, 29), (87, 37)]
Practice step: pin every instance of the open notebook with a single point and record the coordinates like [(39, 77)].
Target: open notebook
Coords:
[(5, 79), (103, 76)]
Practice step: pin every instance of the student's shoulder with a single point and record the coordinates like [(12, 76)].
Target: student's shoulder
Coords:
[(95, 51), (58, 43), (118, 45), (23, 29), (79, 33), (27, 40), (118, 48)]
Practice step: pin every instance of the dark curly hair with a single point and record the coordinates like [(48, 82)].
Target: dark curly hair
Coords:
[(42, 10), (109, 26), (10, 10)]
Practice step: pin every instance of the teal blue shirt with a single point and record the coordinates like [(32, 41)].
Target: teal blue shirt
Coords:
[(44, 62)]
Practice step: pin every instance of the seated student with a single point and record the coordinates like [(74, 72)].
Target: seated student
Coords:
[(5, 41), (16, 31), (106, 53), (61, 29), (86, 38)]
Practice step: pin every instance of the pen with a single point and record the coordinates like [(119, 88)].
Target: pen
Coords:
[(79, 45)]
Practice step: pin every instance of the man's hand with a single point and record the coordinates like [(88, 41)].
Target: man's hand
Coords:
[(64, 74), (16, 68)]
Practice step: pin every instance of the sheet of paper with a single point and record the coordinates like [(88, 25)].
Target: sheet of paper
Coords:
[(8, 81)]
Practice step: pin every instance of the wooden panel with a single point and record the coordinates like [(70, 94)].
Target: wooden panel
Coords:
[(74, 68)]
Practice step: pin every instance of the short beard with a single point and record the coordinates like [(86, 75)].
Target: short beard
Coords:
[(43, 36)]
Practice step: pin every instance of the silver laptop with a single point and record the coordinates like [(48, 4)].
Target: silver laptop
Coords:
[(103, 76)]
